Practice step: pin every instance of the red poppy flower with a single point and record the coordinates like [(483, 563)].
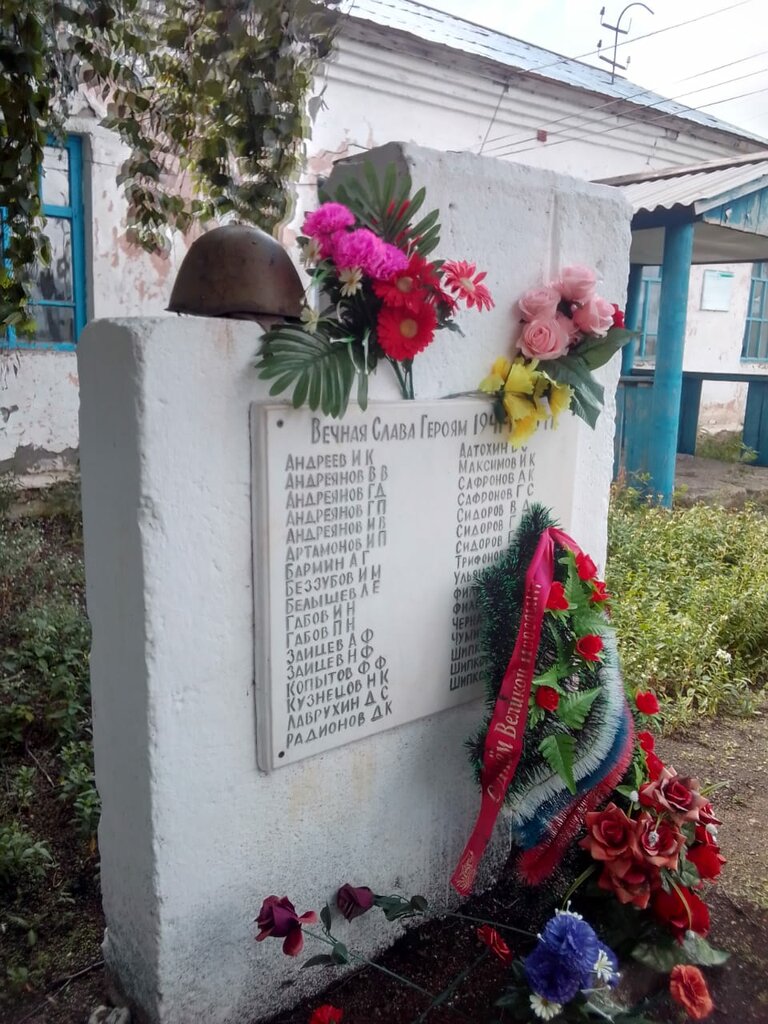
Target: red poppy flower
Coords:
[(618, 316), (409, 288), (589, 647), (647, 702), (557, 601), (460, 278), (404, 332), (599, 593), (707, 859), (278, 919), (491, 938), (585, 567), (326, 1015), (547, 698), (688, 988), (681, 914)]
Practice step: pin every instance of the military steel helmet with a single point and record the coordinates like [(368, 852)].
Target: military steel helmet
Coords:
[(237, 271)]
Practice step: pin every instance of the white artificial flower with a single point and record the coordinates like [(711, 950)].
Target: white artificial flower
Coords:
[(310, 318), (543, 1008), (569, 913), (310, 253), (351, 281), (723, 655), (634, 796), (604, 968)]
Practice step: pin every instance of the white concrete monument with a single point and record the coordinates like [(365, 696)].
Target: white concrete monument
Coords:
[(193, 693)]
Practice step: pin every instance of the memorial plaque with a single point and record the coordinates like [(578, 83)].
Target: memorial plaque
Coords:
[(368, 534)]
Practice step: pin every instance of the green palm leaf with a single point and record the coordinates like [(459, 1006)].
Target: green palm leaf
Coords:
[(319, 369)]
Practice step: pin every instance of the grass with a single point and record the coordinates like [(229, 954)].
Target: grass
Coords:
[(725, 446)]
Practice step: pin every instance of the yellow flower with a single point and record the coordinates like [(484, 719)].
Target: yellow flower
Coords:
[(491, 384), (559, 400), (521, 377), (501, 367), (522, 429), (518, 407)]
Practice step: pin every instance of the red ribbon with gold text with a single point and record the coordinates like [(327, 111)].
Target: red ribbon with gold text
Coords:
[(504, 741)]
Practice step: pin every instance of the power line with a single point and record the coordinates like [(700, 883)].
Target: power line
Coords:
[(626, 99)]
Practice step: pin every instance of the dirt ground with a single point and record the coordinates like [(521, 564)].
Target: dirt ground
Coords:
[(731, 755)]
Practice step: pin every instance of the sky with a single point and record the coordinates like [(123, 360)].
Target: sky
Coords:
[(684, 63)]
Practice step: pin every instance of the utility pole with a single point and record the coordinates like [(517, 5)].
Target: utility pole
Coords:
[(618, 31)]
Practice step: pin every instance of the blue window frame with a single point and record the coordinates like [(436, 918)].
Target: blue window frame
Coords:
[(755, 344), (58, 299), (649, 315)]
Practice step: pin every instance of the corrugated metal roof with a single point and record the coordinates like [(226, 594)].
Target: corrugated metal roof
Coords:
[(697, 187), (442, 29)]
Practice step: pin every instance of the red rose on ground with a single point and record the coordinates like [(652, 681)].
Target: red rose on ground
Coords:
[(647, 741), (647, 702), (547, 698), (609, 833), (278, 919), (688, 988), (326, 1015), (557, 601), (599, 593), (657, 842), (354, 901), (673, 793), (491, 938), (618, 316), (589, 647), (707, 815), (707, 859), (674, 911), (585, 567), (630, 881)]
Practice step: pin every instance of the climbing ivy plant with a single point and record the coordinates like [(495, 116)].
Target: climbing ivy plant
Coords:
[(209, 95)]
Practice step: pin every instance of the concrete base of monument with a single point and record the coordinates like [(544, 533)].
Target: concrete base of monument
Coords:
[(199, 824)]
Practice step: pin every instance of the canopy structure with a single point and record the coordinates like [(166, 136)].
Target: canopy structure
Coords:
[(710, 213)]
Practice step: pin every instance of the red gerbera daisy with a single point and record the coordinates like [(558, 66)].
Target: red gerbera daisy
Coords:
[(461, 278), (406, 290), (404, 332)]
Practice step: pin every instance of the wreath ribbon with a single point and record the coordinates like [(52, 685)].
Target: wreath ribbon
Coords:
[(504, 739)]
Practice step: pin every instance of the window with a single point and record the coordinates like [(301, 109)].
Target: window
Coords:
[(755, 344), (57, 299), (649, 314)]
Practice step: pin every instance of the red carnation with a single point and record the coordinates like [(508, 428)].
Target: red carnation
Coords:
[(647, 702), (599, 593), (547, 698), (688, 988), (589, 647), (491, 938), (557, 601), (402, 333), (681, 910), (647, 741), (707, 859), (278, 919), (618, 316), (585, 567), (326, 1015)]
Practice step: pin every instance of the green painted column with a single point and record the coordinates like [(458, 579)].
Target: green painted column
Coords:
[(668, 377)]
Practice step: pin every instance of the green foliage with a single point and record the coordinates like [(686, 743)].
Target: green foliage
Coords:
[(725, 446), (320, 369), (557, 750), (692, 604), (22, 857), (216, 92)]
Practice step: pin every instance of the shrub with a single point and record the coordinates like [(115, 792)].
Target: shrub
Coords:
[(21, 856), (692, 603)]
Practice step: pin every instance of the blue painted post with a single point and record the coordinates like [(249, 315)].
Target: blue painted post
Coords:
[(668, 377), (632, 315)]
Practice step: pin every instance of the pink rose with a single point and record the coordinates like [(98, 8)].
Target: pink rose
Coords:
[(595, 316), (577, 283), (544, 339), (539, 303)]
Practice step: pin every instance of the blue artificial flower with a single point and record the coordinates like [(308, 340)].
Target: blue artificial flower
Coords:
[(573, 941), (550, 976)]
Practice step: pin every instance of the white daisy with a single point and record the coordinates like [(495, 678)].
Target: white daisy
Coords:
[(310, 252), (310, 318), (543, 1008), (351, 281), (604, 968)]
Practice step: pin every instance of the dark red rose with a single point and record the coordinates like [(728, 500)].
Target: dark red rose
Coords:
[(557, 601), (609, 833), (589, 647), (681, 914), (647, 702), (491, 938), (618, 316), (707, 859), (354, 901), (278, 919), (547, 698), (688, 988), (599, 593), (658, 842), (326, 1015), (630, 881), (585, 567), (707, 814), (673, 793)]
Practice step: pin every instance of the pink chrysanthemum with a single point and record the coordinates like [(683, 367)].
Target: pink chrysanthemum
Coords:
[(327, 219), (392, 261), (461, 279), (360, 248)]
